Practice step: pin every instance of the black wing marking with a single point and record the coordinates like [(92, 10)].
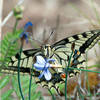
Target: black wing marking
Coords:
[(53, 83), (82, 41), (26, 58), (23, 70), (90, 42)]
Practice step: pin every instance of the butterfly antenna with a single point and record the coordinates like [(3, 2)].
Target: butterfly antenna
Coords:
[(49, 36), (36, 42)]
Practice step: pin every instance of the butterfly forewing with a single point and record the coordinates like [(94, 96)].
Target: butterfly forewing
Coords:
[(83, 42), (86, 38)]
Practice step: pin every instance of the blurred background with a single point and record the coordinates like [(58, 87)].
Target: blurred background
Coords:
[(64, 17)]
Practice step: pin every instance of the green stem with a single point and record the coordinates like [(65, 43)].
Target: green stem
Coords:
[(20, 89), (14, 30), (15, 26), (67, 75), (83, 70), (30, 85), (80, 94), (53, 98), (97, 94), (66, 85), (93, 66)]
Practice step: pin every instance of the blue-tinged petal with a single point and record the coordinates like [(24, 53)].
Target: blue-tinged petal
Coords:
[(28, 24), (50, 60), (25, 35), (41, 75), (26, 40), (47, 75), (47, 65), (39, 66), (40, 60), (21, 35)]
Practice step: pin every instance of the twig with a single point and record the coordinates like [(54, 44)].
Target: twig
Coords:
[(1, 8), (10, 14)]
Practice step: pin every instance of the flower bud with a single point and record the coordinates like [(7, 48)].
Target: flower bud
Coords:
[(18, 12)]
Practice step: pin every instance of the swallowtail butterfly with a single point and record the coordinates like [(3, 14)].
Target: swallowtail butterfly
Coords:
[(60, 51)]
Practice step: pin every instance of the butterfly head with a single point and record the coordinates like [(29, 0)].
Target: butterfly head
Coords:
[(47, 51)]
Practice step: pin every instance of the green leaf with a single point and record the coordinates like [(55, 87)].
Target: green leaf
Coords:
[(35, 96), (15, 85), (11, 53), (8, 48), (33, 87), (7, 94), (9, 36), (4, 81), (18, 32), (4, 47), (10, 98), (25, 87), (1, 59), (99, 43), (5, 42), (0, 74), (7, 59), (2, 51), (5, 65)]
